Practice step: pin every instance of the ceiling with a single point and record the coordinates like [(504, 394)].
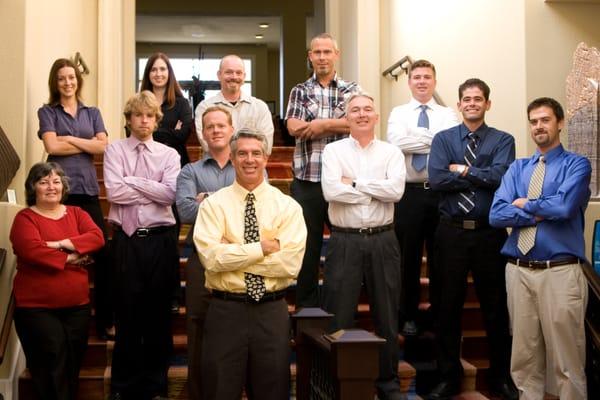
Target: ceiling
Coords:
[(205, 29)]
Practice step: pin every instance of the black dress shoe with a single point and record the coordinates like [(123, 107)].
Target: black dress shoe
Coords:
[(444, 390), (505, 389)]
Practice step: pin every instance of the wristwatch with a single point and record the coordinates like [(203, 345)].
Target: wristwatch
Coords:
[(354, 184)]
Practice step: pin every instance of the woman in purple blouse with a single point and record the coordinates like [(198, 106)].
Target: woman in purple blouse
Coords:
[(175, 126), (72, 134)]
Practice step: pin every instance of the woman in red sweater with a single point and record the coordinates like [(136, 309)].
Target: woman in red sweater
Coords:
[(52, 242)]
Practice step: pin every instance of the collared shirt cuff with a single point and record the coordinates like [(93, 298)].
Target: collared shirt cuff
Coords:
[(255, 253)]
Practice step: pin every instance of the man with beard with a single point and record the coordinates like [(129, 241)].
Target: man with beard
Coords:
[(543, 200), (315, 117), (466, 164), (246, 111)]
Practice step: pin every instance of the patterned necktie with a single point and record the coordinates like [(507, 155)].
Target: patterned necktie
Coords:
[(467, 198), (129, 221), (419, 161), (255, 284), (527, 234)]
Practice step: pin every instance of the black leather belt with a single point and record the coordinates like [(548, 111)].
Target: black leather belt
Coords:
[(544, 264), (364, 231), (244, 298), (143, 232), (469, 224), (418, 185)]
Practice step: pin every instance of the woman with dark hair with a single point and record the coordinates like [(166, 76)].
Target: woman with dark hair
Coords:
[(72, 134), (175, 127), (52, 243)]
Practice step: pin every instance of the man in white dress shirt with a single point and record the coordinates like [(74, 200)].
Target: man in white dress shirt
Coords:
[(246, 111), (411, 127), (362, 178)]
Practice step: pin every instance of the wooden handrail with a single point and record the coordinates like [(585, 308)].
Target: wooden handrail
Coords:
[(6, 325)]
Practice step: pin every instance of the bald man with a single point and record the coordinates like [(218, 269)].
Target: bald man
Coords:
[(247, 111)]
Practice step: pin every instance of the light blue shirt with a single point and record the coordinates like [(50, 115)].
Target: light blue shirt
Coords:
[(565, 194)]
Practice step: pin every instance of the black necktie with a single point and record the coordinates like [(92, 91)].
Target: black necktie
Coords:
[(255, 284), (467, 198)]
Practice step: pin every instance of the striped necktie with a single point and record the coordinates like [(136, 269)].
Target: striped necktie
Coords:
[(527, 234), (255, 284), (419, 161), (467, 198)]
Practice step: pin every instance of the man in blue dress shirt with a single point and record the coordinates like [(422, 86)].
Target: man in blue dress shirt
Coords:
[(543, 198), (466, 164)]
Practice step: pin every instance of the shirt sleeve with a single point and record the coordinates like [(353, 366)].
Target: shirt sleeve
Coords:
[(198, 119), (172, 136), (29, 246), (440, 157), (571, 195), (503, 213), (490, 176), (296, 107), (408, 139), (47, 118), (117, 190), (163, 191), (264, 122), (331, 181), (185, 195), (90, 237), (215, 255), (390, 189), (97, 121), (291, 234)]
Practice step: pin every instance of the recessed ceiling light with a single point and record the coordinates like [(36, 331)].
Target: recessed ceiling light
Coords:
[(259, 36), (263, 25)]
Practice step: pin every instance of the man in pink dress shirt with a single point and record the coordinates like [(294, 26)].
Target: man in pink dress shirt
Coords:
[(140, 177)]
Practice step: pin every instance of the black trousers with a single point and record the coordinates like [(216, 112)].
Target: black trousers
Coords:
[(352, 259), (416, 218), (460, 251), (197, 299), (314, 207), (54, 342), (246, 345), (103, 308), (143, 291)]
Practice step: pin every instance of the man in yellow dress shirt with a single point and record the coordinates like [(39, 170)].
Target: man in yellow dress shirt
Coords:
[(250, 238)]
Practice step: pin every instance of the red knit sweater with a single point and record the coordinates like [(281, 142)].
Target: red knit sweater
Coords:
[(44, 279)]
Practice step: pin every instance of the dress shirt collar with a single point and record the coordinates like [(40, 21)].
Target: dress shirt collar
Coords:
[(242, 192), (132, 143), (356, 143), (80, 106), (415, 104), (549, 156), (208, 158), (464, 131), (315, 81), (221, 99)]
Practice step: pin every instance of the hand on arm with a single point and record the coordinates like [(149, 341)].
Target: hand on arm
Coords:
[(95, 145), (58, 145)]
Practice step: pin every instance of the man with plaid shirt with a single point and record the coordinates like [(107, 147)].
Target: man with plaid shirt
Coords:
[(315, 118)]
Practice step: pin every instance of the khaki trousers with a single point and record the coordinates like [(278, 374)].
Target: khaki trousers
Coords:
[(547, 314)]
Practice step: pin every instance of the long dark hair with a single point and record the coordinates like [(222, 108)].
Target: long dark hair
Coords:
[(54, 97), (173, 89)]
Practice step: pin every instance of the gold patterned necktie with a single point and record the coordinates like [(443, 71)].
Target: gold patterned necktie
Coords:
[(255, 284), (527, 234)]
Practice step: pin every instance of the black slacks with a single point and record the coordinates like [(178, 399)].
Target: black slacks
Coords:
[(54, 342), (314, 207), (197, 299), (103, 309), (460, 251), (375, 259), (416, 218), (246, 345), (143, 291)]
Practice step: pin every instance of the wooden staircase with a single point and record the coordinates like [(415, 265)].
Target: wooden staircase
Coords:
[(417, 371)]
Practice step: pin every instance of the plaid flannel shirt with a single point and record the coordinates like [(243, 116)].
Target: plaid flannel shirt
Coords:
[(308, 101)]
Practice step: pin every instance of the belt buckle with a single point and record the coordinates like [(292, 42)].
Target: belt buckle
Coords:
[(426, 185), (142, 232), (469, 224), (365, 231)]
